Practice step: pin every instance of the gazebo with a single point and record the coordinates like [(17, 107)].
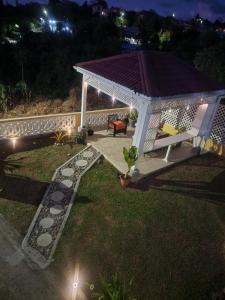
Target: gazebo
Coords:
[(159, 86)]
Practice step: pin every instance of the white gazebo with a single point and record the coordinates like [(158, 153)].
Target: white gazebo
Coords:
[(158, 85)]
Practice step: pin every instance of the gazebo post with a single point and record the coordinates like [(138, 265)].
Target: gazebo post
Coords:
[(141, 128), (83, 103), (207, 122)]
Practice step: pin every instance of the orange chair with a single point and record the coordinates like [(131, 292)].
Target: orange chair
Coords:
[(116, 125)]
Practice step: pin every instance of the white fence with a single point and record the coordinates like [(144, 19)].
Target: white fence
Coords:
[(32, 126)]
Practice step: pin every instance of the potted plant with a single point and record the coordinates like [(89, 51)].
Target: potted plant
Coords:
[(130, 156), (80, 137), (59, 137), (90, 131), (132, 116)]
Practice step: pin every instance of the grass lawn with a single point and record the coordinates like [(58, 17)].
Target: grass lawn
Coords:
[(167, 231)]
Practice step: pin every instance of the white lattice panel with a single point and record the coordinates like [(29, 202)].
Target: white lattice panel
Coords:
[(151, 131), (119, 92), (218, 128), (180, 103), (35, 126), (180, 117)]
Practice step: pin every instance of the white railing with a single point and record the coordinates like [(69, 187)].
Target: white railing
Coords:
[(37, 125), (31, 126)]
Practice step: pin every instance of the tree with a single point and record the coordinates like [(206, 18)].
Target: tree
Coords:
[(3, 98), (102, 3), (212, 61)]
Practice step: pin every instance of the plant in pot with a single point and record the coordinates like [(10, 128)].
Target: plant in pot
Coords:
[(130, 156), (59, 137), (90, 131), (132, 116)]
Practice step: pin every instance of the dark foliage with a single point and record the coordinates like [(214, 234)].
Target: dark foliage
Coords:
[(44, 60)]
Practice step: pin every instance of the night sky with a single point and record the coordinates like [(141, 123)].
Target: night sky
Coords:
[(210, 9)]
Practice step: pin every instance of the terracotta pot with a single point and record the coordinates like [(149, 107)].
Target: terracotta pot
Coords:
[(124, 181)]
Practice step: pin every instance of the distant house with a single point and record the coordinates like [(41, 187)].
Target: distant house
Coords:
[(115, 10), (220, 32), (99, 9), (131, 40)]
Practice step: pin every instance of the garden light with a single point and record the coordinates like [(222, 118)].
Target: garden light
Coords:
[(69, 131), (75, 285), (45, 12), (131, 107), (13, 140)]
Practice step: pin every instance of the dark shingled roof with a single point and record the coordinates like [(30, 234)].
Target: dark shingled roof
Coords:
[(152, 74)]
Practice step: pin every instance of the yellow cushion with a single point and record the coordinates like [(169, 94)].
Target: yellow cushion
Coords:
[(167, 128), (211, 145)]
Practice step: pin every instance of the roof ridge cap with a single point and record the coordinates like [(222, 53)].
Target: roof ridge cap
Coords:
[(144, 74), (104, 59)]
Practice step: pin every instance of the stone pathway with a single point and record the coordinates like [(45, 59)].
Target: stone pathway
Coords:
[(48, 223)]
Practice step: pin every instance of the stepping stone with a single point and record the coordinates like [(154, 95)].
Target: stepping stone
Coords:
[(46, 222), (66, 183), (57, 196), (67, 172), (56, 209), (44, 240), (81, 163), (87, 154)]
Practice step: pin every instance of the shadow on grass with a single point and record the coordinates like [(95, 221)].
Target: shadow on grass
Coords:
[(19, 188), (213, 191), (83, 200), (22, 189), (25, 144)]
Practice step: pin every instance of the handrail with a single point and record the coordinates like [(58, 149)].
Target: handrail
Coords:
[(62, 114)]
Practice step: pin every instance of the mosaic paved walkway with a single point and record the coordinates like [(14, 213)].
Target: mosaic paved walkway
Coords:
[(48, 223)]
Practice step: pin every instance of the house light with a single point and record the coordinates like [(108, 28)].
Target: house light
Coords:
[(202, 99), (173, 15), (13, 140), (69, 131), (99, 91), (170, 110), (188, 107), (113, 98), (45, 12), (75, 285), (131, 107), (52, 22)]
